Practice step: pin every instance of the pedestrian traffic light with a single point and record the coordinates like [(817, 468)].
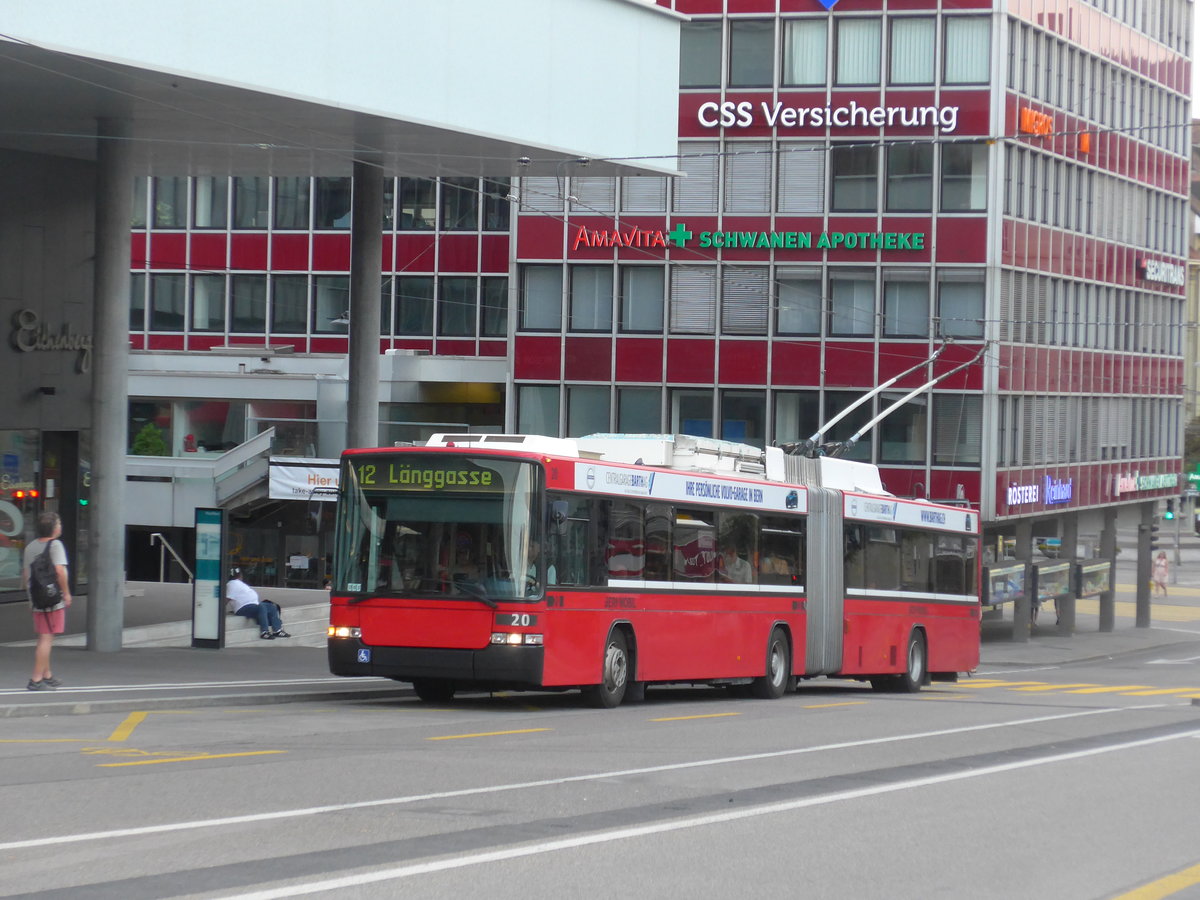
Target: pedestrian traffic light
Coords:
[(24, 495), (1170, 513), (1154, 536)]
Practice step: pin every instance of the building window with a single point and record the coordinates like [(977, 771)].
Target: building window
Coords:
[(691, 412), (332, 204), (210, 201), (748, 177), (457, 301), (905, 304), (798, 308), (291, 203), (587, 410), (251, 202), (211, 426), (642, 290), (697, 192), (137, 301), (693, 299), (743, 416), (639, 410), (496, 205), (541, 298), (745, 300), (960, 304), (414, 305), (537, 409), (912, 48), (957, 429), (208, 303), (417, 209), (801, 187), (493, 292), (643, 194), (857, 51), (797, 415), (964, 177), (167, 302), (804, 52), (852, 303), (902, 434), (289, 304), (170, 202), (751, 52), (855, 178), (150, 430), (909, 178), (836, 402), (591, 298), (460, 204), (700, 55), (331, 304), (137, 214), (968, 50), (249, 304)]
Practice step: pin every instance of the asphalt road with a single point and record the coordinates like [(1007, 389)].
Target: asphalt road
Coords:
[(1075, 781)]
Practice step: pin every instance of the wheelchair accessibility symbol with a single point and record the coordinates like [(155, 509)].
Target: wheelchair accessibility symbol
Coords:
[(364, 655)]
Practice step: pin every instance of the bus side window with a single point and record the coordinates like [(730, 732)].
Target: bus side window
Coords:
[(567, 536), (780, 547), (854, 556), (658, 541), (625, 545)]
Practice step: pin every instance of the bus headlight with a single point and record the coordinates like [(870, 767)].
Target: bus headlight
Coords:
[(343, 631), (516, 639)]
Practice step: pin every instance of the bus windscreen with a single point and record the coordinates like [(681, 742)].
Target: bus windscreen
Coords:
[(450, 526)]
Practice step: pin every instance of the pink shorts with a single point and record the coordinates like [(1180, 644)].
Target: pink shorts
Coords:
[(52, 622)]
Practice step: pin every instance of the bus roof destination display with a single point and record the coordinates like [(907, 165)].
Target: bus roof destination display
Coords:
[(425, 474)]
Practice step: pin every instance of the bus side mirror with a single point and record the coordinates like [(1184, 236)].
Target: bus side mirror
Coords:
[(558, 517)]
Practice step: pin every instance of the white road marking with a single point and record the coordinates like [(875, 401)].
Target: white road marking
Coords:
[(549, 782)]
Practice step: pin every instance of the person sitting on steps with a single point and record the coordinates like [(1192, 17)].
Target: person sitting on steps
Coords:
[(244, 601)]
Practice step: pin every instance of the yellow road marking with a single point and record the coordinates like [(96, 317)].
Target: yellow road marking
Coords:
[(1164, 887), (1055, 687), (456, 737), (685, 718), (1158, 691), (988, 684), (1109, 690), (843, 703), (173, 759), (134, 719)]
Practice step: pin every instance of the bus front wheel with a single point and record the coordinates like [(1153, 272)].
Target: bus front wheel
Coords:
[(614, 674), (774, 683), (433, 690)]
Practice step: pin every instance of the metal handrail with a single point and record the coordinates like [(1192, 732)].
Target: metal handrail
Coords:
[(163, 543)]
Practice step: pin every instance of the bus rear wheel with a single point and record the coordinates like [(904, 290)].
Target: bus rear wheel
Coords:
[(774, 683), (614, 674), (915, 662), (433, 690)]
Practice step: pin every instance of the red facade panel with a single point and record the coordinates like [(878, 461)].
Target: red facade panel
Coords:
[(537, 357), (458, 253), (331, 252), (248, 251), (849, 364), (691, 361), (743, 362), (493, 254), (795, 363), (137, 249), (588, 359), (539, 237), (493, 348), (329, 345), (168, 250), (289, 253), (415, 253), (208, 251), (640, 359)]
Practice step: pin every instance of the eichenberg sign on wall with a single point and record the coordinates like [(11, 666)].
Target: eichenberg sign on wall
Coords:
[(777, 114)]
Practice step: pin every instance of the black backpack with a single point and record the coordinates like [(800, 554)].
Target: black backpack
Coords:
[(43, 581)]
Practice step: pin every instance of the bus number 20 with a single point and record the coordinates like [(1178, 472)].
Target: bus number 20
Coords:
[(521, 620)]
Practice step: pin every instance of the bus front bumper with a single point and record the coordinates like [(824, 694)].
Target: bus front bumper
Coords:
[(494, 666)]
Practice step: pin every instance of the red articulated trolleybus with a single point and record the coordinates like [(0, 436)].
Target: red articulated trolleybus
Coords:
[(611, 562)]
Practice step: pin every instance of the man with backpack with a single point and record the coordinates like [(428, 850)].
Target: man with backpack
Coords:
[(244, 601), (44, 576)]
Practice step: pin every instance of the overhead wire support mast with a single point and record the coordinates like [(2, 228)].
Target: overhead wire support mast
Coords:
[(854, 438), (812, 445)]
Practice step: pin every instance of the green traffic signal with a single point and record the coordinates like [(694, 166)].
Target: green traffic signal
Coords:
[(1170, 513)]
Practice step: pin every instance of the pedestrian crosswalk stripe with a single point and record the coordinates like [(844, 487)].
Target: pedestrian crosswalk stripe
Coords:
[(1109, 690), (1054, 687)]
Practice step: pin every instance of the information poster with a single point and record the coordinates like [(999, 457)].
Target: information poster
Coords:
[(208, 620)]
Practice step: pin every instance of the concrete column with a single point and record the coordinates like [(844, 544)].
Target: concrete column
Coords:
[(1149, 512), (1108, 551), (1022, 608), (366, 282), (110, 389), (1068, 550)]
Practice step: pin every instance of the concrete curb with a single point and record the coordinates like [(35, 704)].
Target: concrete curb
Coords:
[(87, 707)]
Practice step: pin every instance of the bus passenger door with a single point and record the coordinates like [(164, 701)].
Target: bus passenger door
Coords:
[(824, 582)]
